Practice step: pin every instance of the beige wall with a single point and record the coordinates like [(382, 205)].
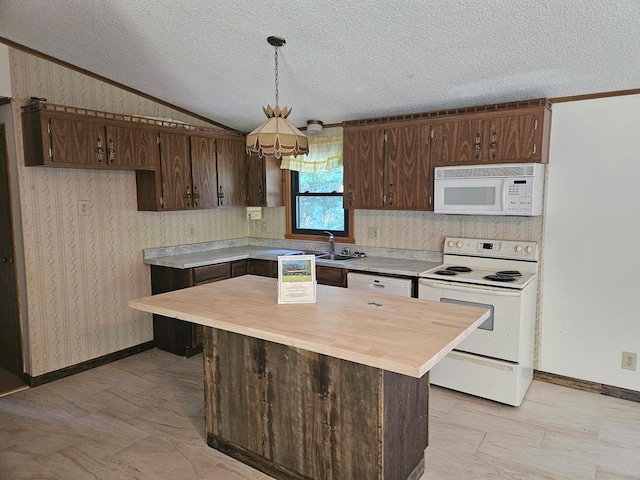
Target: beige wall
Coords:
[(414, 230), (82, 270)]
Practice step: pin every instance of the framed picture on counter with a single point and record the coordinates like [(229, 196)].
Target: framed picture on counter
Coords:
[(297, 279)]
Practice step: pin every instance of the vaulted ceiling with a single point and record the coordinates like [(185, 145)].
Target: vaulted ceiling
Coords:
[(342, 60)]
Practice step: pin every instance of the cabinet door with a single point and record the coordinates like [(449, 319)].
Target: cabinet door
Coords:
[(77, 142), (203, 171), (255, 181), (333, 276), (232, 187), (407, 182), (363, 158), (515, 138), (462, 143), (273, 182), (263, 268), (131, 147), (176, 171)]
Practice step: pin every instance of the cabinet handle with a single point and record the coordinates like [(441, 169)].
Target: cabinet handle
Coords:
[(100, 150), (188, 196), (260, 196), (534, 148), (430, 199), (476, 146), (350, 196), (111, 152), (494, 145), (7, 259), (220, 195), (196, 196), (391, 194)]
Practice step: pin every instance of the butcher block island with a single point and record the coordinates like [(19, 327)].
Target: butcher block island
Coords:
[(334, 390)]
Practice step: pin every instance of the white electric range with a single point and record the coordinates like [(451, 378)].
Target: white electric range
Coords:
[(496, 360)]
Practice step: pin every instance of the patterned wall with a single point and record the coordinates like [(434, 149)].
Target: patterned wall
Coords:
[(82, 270), (414, 230)]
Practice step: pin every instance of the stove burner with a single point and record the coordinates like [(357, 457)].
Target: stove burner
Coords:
[(500, 278), (509, 273), (445, 272), (459, 269)]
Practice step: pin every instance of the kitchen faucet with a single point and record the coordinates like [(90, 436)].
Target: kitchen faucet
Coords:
[(332, 245)]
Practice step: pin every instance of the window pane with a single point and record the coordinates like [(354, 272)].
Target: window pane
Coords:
[(321, 182), (320, 213)]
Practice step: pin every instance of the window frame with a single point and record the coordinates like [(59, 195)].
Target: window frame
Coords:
[(345, 236)]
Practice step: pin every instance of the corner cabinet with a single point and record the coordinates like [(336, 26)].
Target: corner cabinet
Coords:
[(177, 336), (388, 167), (196, 172), (265, 182)]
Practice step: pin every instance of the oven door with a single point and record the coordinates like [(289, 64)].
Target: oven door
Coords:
[(499, 336), (477, 196)]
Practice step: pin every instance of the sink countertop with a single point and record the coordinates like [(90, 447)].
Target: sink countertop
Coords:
[(397, 266)]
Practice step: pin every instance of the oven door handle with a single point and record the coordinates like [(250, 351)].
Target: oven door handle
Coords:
[(466, 288)]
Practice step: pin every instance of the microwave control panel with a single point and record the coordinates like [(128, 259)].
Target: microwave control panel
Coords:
[(519, 195)]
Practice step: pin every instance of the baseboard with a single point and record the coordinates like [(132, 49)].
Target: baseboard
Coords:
[(588, 386), (89, 364)]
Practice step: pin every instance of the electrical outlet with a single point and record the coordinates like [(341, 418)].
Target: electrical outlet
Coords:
[(191, 231), (264, 227), (372, 233), (84, 208), (629, 360)]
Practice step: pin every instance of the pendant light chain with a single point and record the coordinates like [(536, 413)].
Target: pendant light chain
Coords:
[(276, 55)]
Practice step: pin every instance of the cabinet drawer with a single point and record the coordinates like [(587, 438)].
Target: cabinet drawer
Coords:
[(210, 273), (331, 276)]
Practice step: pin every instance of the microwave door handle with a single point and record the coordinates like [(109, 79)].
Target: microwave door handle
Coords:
[(505, 187), (466, 288)]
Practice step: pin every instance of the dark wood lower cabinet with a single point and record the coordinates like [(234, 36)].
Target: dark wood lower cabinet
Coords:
[(295, 414), (173, 335), (263, 268), (334, 276)]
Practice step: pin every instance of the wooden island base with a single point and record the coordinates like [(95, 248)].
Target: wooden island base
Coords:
[(295, 414)]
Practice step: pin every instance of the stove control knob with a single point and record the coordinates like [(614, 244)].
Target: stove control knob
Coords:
[(451, 243), (459, 244), (518, 248), (528, 249)]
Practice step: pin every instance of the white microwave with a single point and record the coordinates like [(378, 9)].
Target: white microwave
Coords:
[(500, 189)]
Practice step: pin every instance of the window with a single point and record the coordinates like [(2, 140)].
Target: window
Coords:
[(316, 203)]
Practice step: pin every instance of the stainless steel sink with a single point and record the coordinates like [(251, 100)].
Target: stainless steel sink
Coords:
[(310, 252), (336, 257)]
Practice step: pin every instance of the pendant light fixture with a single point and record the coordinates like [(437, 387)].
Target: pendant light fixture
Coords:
[(276, 137)]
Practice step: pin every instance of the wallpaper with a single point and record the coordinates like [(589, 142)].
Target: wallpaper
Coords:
[(81, 271)]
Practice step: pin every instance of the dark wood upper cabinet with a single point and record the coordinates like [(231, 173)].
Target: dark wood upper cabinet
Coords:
[(131, 147), (203, 172), (407, 167), (232, 186), (175, 164), (388, 167), (363, 159), (461, 142), (506, 136), (265, 182), (64, 139)]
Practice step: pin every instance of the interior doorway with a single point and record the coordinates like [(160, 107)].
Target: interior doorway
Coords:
[(11, 363)]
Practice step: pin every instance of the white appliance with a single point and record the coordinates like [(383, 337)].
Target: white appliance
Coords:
[(496, 360), (501, 189), (379, 284)]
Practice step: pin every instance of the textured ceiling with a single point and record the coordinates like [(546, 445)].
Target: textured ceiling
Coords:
[(343, 60)]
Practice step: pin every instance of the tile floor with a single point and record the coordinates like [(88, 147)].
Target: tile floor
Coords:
[(142, 418)]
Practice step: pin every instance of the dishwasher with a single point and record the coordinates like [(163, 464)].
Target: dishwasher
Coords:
[(401, 287)]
